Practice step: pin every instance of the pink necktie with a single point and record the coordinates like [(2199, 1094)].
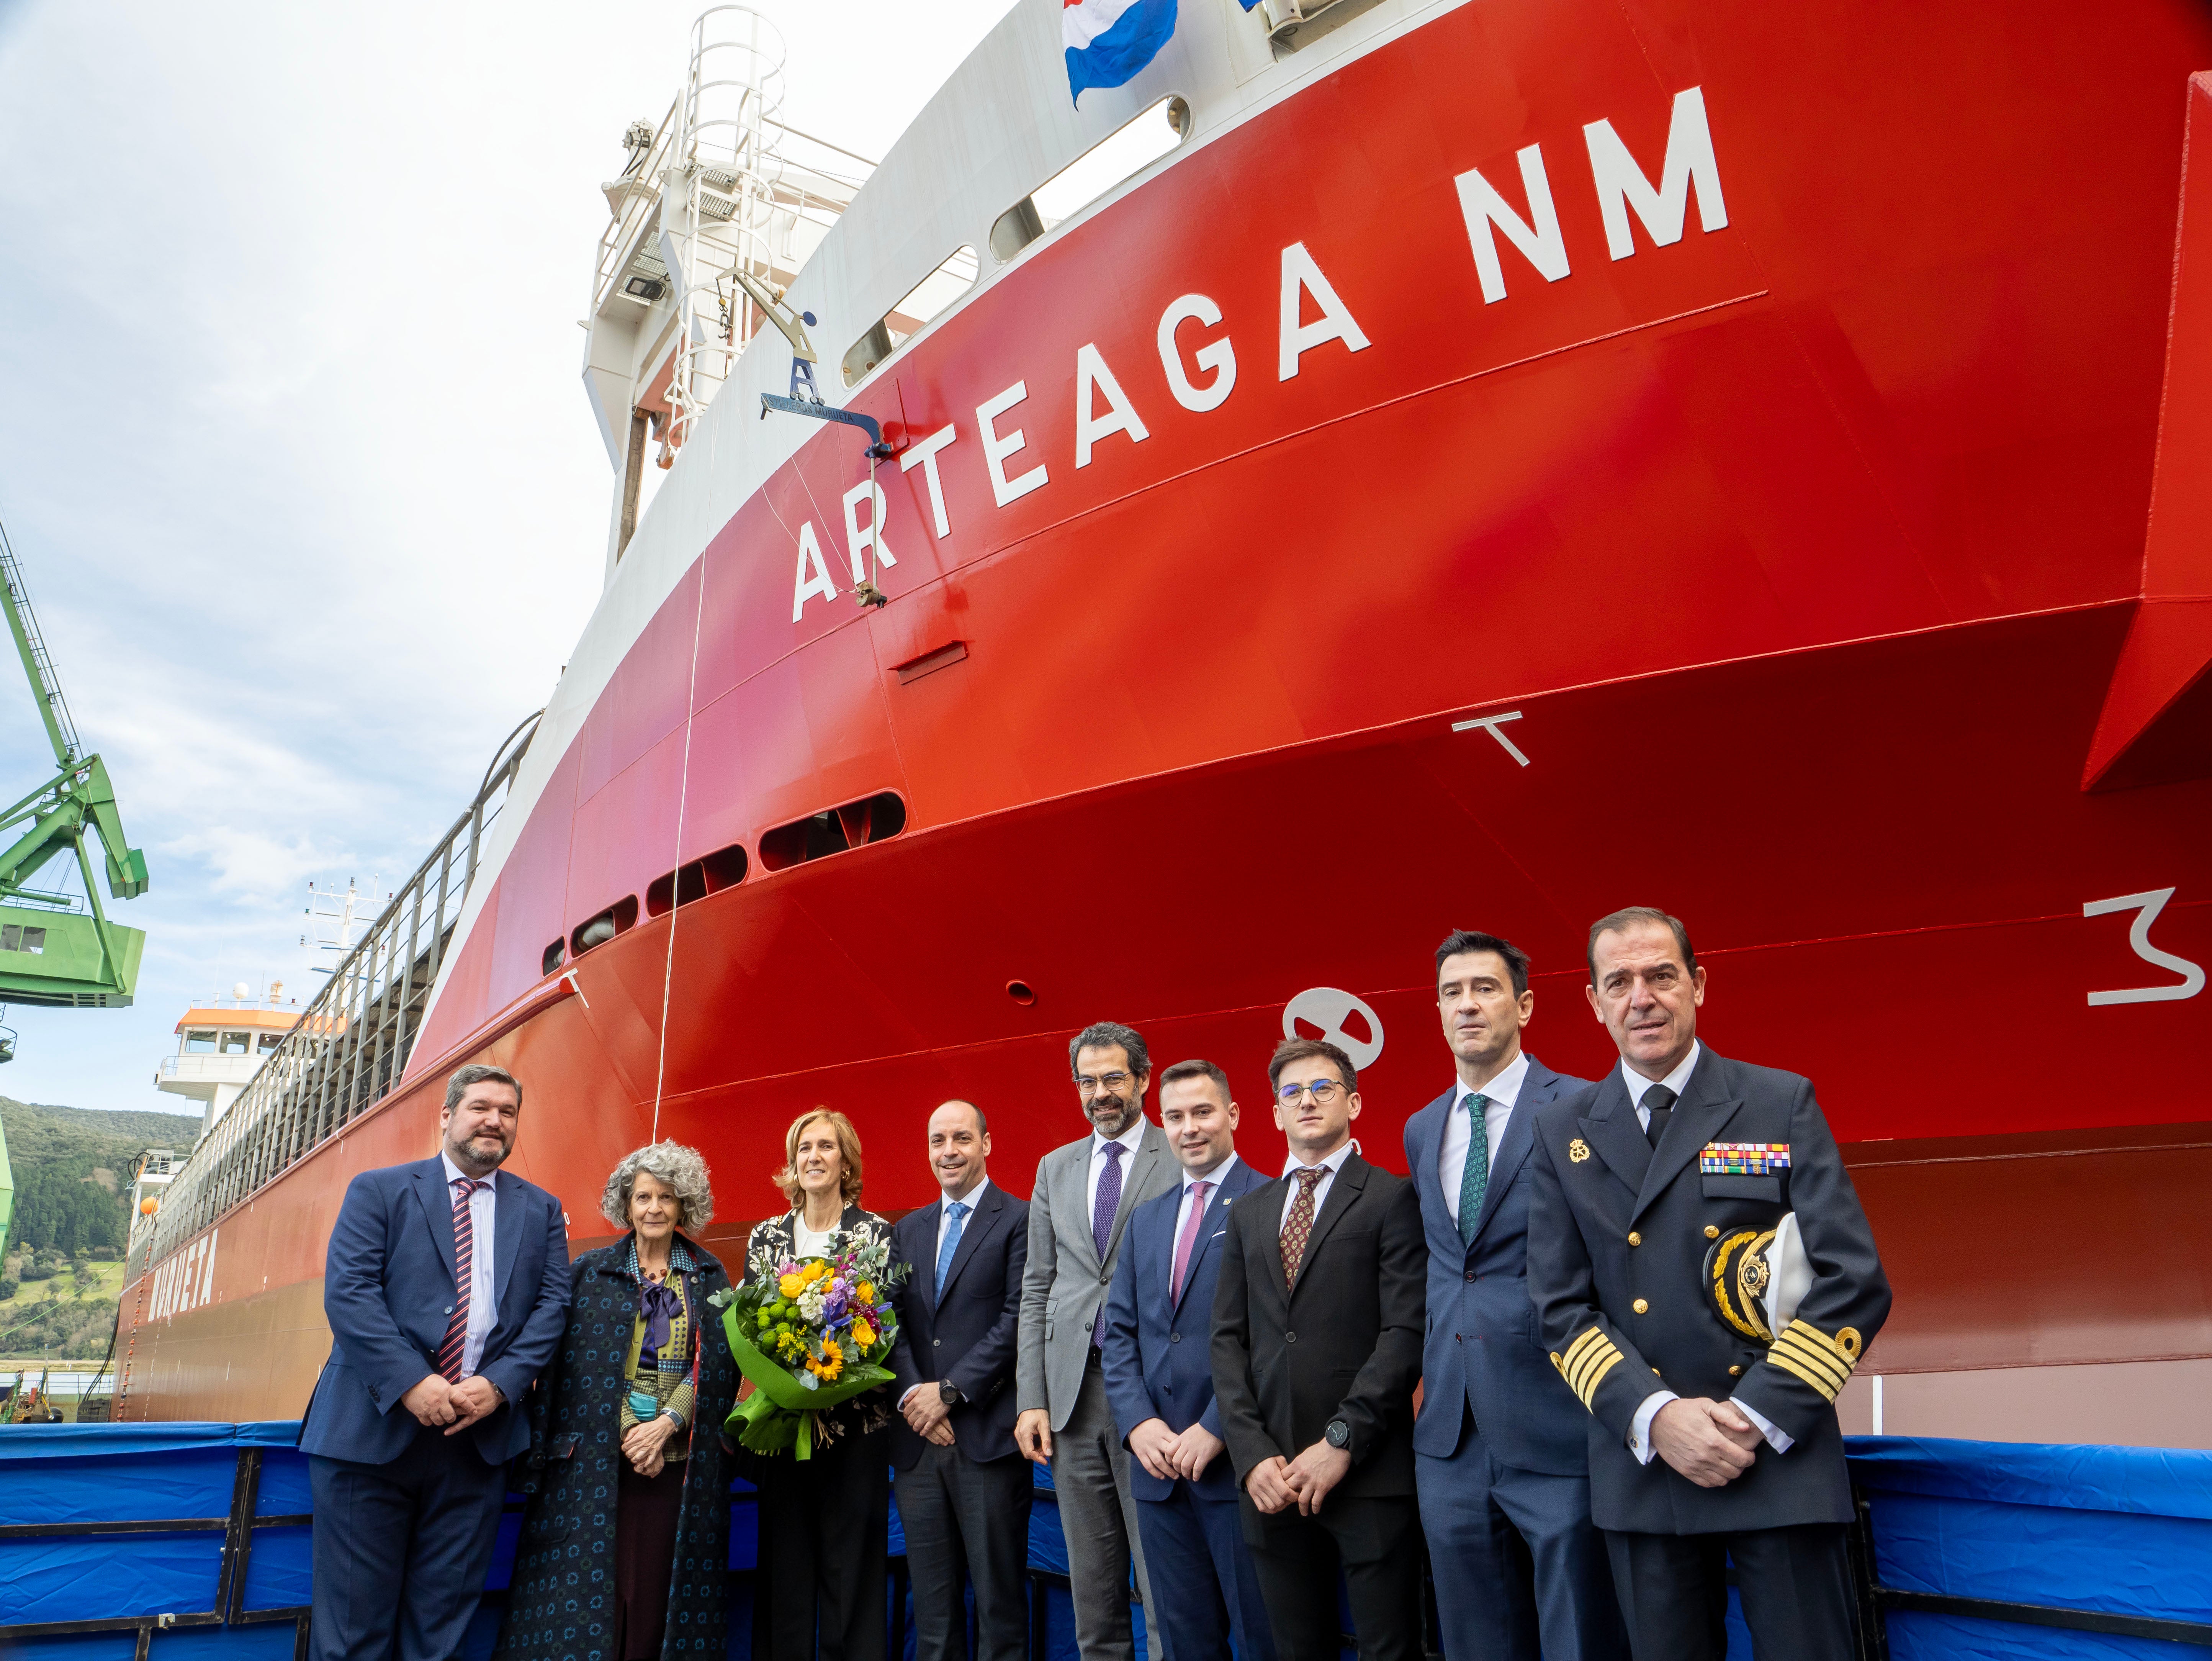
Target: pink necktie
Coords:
[(1189, 1235)]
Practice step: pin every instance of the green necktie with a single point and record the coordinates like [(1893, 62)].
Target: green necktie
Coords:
[(1474, 1181)]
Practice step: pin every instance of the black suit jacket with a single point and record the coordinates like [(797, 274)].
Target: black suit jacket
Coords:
[(1343, 1343), (971, 1337), (1618, 1236)]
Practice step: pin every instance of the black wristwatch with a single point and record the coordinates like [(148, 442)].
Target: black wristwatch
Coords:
[(948, 1392), (1339, 1434)]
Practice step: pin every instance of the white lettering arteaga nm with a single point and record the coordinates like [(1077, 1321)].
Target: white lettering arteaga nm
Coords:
[(1198, 366)]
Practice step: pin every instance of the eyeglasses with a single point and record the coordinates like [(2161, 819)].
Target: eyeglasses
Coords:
[(1323, 1091), (1107, 1083)]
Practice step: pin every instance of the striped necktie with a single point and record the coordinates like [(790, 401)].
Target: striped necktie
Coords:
[(464, 1233)]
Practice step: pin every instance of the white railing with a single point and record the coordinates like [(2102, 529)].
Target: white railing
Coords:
[(209, 1069), (349, 1045), (721, 181)]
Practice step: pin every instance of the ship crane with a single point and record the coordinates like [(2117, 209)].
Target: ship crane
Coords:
[(52, 951)]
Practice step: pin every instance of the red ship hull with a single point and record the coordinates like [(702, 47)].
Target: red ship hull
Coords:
[(1794, 562)]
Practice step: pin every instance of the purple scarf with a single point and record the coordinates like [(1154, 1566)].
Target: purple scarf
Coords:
[(658, 1305)]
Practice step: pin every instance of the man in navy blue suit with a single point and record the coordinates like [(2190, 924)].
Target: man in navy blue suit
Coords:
[(447, 1290), (963, 1488), (1501, 1447), (1157, 1360)]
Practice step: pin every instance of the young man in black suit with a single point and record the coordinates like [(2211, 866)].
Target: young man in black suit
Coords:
[(1713, 1438), (1316, 1351), (964, 1488)]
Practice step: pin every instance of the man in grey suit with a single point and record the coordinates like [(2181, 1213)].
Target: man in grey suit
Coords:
[(1084, 1196)]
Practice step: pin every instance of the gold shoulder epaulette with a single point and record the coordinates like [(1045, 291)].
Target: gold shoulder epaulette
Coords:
[(1587, 1361), (1809, 1353)]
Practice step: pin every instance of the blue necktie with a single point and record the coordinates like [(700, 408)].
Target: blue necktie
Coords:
[(954, 1216)]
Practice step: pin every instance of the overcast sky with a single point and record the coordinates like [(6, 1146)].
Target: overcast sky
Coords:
[(294, 449)]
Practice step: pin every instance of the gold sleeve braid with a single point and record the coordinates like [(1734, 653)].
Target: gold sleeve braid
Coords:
[(1587, 1361), (1809, 1353)]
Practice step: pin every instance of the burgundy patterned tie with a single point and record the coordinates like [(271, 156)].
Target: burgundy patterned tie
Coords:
[(1299, 1224), (457, 1330)]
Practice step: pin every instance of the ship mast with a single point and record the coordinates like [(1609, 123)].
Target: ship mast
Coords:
[(717, 206)]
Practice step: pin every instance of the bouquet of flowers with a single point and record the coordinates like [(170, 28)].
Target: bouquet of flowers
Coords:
[(815, 1334)]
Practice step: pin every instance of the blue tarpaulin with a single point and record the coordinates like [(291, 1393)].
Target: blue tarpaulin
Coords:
[(2121, 1530), (145, 1473)]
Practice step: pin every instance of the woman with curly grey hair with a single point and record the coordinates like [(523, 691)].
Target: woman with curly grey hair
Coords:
[(627, 1470)]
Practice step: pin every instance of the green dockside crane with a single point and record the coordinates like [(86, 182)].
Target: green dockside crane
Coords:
[(52, 953)]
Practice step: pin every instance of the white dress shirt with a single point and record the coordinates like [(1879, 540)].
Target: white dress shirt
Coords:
[(1131, 1139), (1191, 1180), (483, 1312), (1331, 1165), (971, 1199), (1639, 1085), (1498, 1095), (1639, 1433)]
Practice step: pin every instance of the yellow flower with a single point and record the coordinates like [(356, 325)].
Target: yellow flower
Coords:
[(815, 1271), (792, 1285), (863, 1334), (867, 1291)]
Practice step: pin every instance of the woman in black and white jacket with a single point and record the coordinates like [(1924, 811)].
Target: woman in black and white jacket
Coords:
[(823, 1522)]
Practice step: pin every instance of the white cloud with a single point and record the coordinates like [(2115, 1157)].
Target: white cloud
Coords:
[(292, 444)]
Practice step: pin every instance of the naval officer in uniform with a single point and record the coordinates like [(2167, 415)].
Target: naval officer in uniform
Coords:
[(1713, 1438)]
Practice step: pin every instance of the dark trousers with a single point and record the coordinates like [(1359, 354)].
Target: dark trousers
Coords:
[(1521, 1571), (1796, 1584), (401, 1550), (967, 1517), (646, 1512), (1376, 1542), (1098, 1521), (1203, 1578), (819, 1595)]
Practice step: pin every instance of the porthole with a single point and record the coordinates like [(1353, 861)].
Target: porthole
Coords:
[(1123, 153), (952, 278), (723, 868), (597, 931), (873, 818)]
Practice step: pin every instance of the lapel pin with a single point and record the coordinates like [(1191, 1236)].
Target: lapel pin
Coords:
[(1578, 1150)]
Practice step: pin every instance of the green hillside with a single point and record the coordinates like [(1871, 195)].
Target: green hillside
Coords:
[(37, 1131), (71, 1165), (60, 1268)]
